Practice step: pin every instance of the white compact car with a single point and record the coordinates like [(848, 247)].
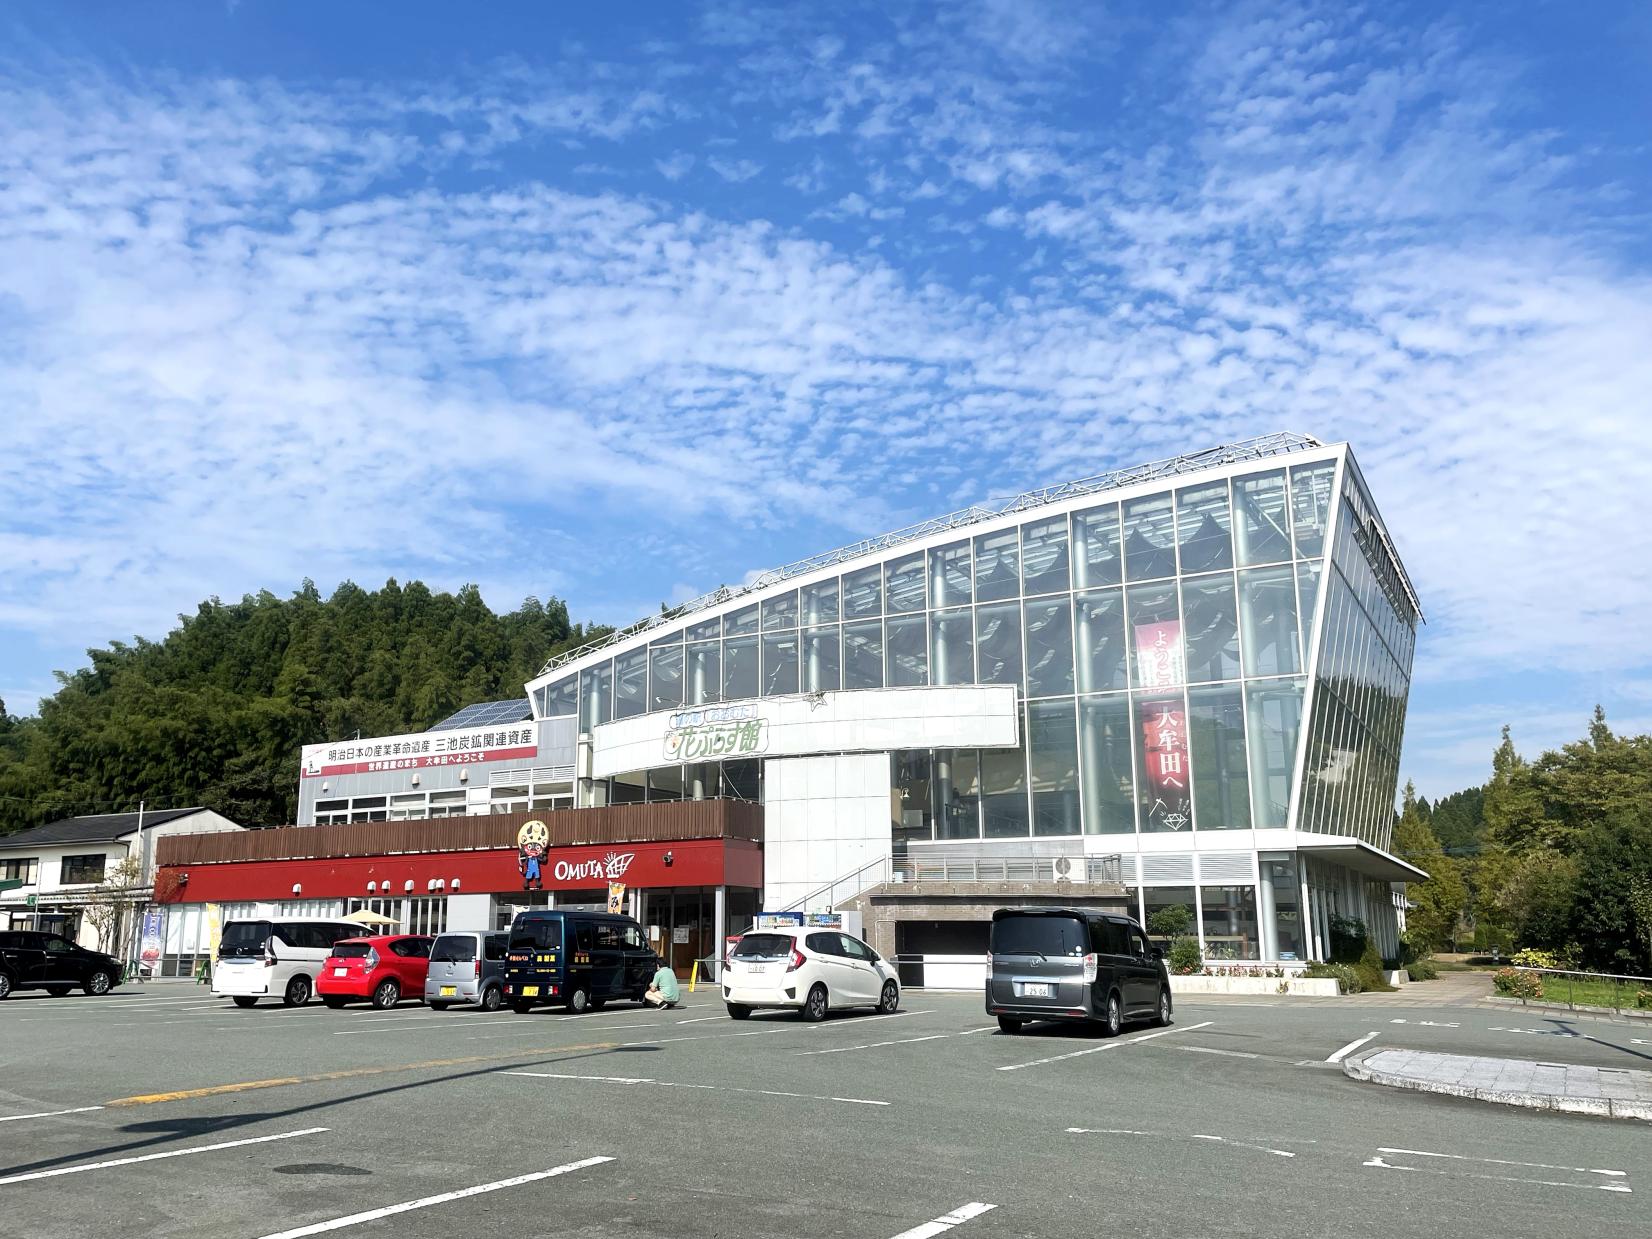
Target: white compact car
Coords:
[(811, 970)]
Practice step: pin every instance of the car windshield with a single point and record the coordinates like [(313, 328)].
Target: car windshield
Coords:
[(243, 938), (1039, 935), (763, 946), (351, 950), (543, 935), (454, 950)]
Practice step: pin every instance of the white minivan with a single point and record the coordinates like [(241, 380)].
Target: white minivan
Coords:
[(275, 957)]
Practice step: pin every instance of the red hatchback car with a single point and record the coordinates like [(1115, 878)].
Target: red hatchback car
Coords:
[(381, 969)]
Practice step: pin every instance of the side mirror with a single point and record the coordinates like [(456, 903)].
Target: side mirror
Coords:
[(1157, 954)]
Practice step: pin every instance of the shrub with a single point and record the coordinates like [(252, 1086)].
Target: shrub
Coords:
[(1348, 980), (1532, 958), (1369, 968), (1516, 983), (1184, 958), (1643, 1000), (1422, 970)]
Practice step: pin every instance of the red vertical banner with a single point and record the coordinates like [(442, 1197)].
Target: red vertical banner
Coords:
[(1159, 657), (1165, 763)]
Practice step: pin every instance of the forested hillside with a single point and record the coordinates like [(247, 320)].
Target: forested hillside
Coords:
[(215, 713)]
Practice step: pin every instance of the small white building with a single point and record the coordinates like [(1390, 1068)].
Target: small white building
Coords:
[(59, 867)]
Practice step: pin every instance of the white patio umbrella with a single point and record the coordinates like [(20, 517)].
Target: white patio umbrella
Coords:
[(366, 916)]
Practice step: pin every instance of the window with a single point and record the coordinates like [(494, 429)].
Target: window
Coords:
[(906, 646), (24, 871), (822, 666), (56, 946), (1149, 538), (1275, 711), (904, 583), (1260, 523), (607, 935), (1110, 937), (596, 687), (819, 602), (705, 674), (779, 663), (998, 565), (1311, 506), (1307, 593), (412, 948), (705, 630), (740, 674), (957, 794), (762, 946), (454, 949), (665, 677), (1138, 944), (1156, 625), (1004, 793), (952, 647), (1267, 610), (582, 935), (1170, 912), (739, 621), (910, 780), (863, 592), (1049, 628), (561, 697), (1052, 752), (998, 643), (823, 944), (1287, 910), (780, 611), (493, 947), (1096, 547), (1216, 729), (79, 869), (1099, 643), (631, 683), (1212, 628), (1044, 557), (665, 784), (1203, 528), (863, 654), (1229, 921), (1104, 749), (854, 948), (1040, 935), (949, 576)]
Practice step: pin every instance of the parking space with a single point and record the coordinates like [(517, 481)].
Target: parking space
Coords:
[(176, 1114)]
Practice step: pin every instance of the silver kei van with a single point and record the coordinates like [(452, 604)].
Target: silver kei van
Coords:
[(466, 966)]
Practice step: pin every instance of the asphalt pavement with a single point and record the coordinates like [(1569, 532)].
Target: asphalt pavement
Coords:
[(164, 1112)]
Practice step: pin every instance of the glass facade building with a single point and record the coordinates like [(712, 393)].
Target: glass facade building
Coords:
[(1211, 659)]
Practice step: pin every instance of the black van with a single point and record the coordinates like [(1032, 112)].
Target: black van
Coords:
[(1073, 964), (576, 959)]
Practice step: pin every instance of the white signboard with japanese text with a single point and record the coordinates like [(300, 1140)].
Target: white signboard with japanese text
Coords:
[(500, 742)]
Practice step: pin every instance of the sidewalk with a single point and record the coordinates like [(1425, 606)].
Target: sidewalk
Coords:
[(1605, 1091)]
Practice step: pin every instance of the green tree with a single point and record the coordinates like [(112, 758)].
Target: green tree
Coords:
[(1614, 862), (1439, 902)]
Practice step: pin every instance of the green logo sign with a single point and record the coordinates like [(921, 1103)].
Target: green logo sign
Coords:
[(713, 732)]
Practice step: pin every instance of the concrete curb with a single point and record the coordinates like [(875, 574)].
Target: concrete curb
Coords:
[(1355, 1068), (1625, 1013)]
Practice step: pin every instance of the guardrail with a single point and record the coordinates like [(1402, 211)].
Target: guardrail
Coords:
[(987, 868), (1573, 988)]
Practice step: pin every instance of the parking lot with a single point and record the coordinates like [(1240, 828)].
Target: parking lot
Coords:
[(159, 1110)]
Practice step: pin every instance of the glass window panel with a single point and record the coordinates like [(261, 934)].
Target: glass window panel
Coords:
[(821, 665), (1287, 907), (1204, 528), (863, 592), (1216, 726), (863, 654), (705, 630), (910, 780), (1004, 793), (1212, 627), (1149, 538), (705, 673), (1104, 745), (1052, 752), (1307, 597), (665, 783), (1163, 786), (952, 647), (779, 663), (1229, 921), (780, 611), (1267, 616), (739, 621), (1156, 653), (904, 583), (997, 565), (1275, 712), (949, 575), (631, 683), (740, 677), (596, 689), (1049, 628), (665, 677), (906, 648), (562, 697), (998, 643), (819, 602), (1098, 640), (1096, 547), (1044, 557), (957, 794), (1259, 521), (1311, 506), (1180, 909)]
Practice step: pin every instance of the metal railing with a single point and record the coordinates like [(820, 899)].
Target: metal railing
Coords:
[(989, 868), (1568, 987), (853, 882)]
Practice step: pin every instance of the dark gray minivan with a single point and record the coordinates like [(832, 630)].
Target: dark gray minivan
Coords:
[(1073, 964)]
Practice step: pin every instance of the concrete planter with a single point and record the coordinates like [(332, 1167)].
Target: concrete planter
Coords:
[(1300, 987)]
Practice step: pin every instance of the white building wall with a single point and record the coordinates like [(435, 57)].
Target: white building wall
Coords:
[(824, 817)]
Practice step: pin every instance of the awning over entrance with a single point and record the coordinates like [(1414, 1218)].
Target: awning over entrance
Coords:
[(1359, 856)]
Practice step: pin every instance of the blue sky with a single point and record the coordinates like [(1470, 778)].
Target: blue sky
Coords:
[(623, 308)]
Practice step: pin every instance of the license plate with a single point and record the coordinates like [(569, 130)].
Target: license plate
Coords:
[(530, 991), (341, 972), (1036, 991), (757, 968), (448, 991)]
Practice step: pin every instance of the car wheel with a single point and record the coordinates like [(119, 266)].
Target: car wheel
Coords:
[(891, 1000), (738, 1012), (1163, 1018), (5, 985), (815, 1005), (59, 991), (298, 992), (244, 1000), (1008, 1026), (1115, 1015), (99, 983), (386, 995), (579, 1000), (490, 998), (333, 1004), (434, 1005)]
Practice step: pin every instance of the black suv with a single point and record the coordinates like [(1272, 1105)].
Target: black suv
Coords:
[(1073, 964), (31, 960)]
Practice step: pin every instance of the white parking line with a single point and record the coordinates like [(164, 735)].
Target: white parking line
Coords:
[(372, 1215), (876, 1045), (1539, 1032), (1238, 1144), (1205, 1049), (1348, 1049), (1109, 1045), (1378, 1163), (708, 1088), (47, 1114), (983, 1028), (1425, 1024), (701, 1019), (946, 1221), (1497, 1161), (155, 1157)]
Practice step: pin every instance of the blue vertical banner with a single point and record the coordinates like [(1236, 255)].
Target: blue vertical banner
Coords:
[(150, 941)]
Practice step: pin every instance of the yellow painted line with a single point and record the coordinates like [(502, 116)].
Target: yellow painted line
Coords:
[(218, 1090)]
